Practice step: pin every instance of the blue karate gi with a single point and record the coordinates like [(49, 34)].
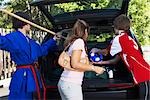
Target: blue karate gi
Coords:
[(24, 51)]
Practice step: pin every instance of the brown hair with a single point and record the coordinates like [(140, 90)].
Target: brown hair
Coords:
[(122, 22), (78, 31), (18, 23)]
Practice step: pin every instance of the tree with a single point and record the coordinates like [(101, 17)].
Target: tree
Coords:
[(2, 17), (13, 6), (139, 10)]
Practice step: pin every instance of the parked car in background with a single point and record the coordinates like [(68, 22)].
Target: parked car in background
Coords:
[(100, 20)]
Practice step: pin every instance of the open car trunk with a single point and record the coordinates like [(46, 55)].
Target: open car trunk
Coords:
[(101, 35), (95, 15)]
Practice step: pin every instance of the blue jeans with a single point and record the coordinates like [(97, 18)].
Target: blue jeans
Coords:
[(70, 91)]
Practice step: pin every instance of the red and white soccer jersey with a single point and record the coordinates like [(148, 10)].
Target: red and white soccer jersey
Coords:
[(124, 45)]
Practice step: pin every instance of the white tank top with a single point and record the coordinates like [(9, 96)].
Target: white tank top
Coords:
[(74, 76)]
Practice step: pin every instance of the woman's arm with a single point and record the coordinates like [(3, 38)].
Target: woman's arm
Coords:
[(77, 65)]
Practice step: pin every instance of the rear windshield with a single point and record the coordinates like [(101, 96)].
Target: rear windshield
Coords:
[(98, 37), (83, 5)]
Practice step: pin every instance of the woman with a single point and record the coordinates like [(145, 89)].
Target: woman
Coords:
[(24, 52), (71, 79)]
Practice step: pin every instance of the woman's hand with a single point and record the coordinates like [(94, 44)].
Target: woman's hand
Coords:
[(99, 70)]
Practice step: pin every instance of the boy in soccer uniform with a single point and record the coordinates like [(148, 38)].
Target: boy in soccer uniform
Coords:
[(125, 48)]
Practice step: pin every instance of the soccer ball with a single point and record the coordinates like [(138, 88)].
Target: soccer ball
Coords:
[(95, 57)]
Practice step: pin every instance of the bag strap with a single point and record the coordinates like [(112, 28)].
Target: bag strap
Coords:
[(67, 47)]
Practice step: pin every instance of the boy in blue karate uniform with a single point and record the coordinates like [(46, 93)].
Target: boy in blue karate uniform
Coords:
[(24, 52)]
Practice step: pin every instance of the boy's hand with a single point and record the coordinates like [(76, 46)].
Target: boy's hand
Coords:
[(99, 63), (105, 51)]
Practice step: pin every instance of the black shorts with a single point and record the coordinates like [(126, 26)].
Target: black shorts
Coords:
[(144, 90)]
